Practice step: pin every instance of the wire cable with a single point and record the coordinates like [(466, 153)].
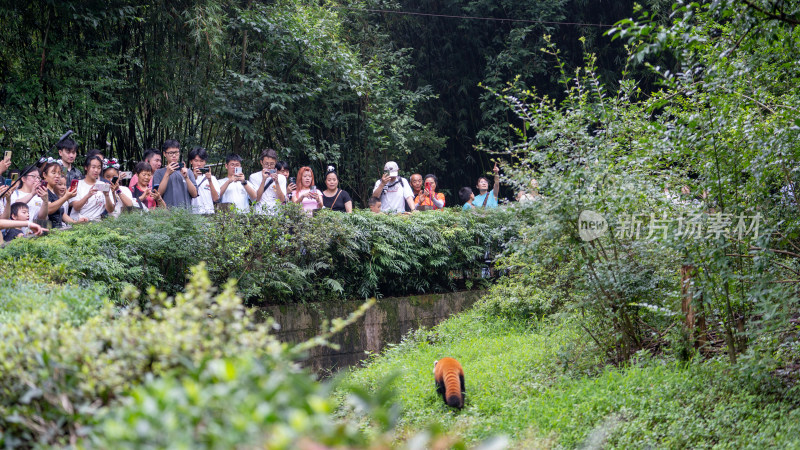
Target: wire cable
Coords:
[(495, 19)]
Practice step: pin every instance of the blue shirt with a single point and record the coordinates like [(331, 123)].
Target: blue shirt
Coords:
[(478, 202)]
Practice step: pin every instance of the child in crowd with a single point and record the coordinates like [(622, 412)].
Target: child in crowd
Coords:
[(467, 197), (374, 205), (291, 184), (19, 213)]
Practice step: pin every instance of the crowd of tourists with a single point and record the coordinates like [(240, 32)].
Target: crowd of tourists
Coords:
[(59, 194)]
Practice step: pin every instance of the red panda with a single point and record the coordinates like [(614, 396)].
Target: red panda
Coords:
[(449, 377)]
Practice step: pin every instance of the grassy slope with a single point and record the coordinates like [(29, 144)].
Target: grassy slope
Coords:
[(538, 387)]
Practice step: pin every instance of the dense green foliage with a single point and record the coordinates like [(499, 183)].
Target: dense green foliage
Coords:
[(282, 258), (544, 385), (725, 128)]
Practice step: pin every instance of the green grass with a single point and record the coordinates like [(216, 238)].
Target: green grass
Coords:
[(544, 387)]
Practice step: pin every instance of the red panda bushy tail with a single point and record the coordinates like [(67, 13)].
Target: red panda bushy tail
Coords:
[(449, 378)]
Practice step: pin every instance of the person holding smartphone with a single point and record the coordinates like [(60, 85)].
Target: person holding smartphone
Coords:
[(5, 163), (235, 188), (393, 191), (208, 186), (176, 183), (152, 157), (291, 182), (428, 197), (306, 193), (144, 196), (33, 194), (93, 198), (271, 184), (57, 203), (123, 197)]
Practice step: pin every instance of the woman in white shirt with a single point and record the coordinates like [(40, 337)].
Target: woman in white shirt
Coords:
[(90, 202), (34, 195)]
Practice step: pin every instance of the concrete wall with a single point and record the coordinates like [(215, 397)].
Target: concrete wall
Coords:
[(384, 323)]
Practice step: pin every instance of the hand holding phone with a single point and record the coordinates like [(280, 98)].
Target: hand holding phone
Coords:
[(114, 180), (74, 185)]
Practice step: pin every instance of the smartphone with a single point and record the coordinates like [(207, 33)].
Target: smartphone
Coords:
[(428, 186), (74, 184), (155, 187), (180, 166), (14, 176), (8, 155), (237, 170), (271, 171), (102, 187), (125, 175), (43, 183), (313, 189), (114, 180), (292, 180)]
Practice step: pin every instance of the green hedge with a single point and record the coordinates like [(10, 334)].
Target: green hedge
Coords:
[(293, 257)]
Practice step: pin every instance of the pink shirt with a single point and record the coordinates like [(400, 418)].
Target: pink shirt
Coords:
[(309, 204)]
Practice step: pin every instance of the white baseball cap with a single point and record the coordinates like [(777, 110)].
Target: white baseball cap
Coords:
[(392, 168)]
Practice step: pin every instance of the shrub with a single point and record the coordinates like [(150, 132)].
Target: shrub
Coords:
[(153, 249), (55, 376), (236, 402)]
